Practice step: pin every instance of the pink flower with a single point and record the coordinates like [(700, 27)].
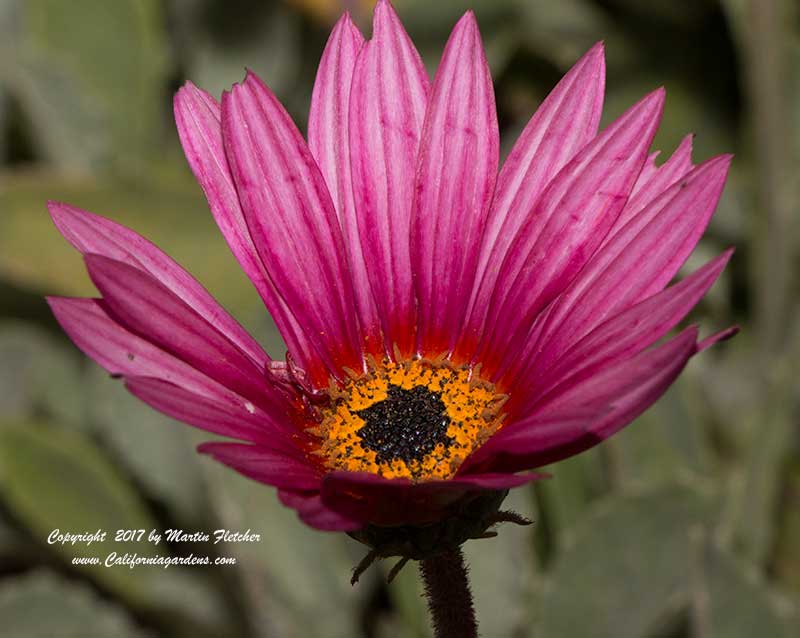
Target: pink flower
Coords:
[(448, 323)]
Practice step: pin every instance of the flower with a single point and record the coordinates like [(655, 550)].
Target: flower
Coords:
[(448, 324)]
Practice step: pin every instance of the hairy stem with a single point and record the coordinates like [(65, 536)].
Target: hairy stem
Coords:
[(449, 596)]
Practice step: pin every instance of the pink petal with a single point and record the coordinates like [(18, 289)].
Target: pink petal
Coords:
[(94, 234), (640, 260), (122, 353), (565, 122), (207, 414), (722, 335), (654, 180), (292, 222), (312, 511), (456, 173), (387, 108), (382, 501), (328, 141), (144, 306), (627, 333), (579, 207), (530, 435), (197, 115), (617, 395), (283, 468), (605, 387)]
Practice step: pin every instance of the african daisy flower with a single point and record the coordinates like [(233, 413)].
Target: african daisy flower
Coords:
[(448, 324)]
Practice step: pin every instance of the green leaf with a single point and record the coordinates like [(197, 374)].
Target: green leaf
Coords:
[(786, 559), (159, 451), (116, 52), (563, 31), (269, 46), (41, 604), (668, 440), (625, 568), (753, 503), (188, 599), (172, 213), (66, 125), (294, 568), (733, 602), (52, 479), (576, 482), (38, 375), (408, 599)]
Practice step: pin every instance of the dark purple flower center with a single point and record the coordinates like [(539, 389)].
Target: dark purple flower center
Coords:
[(407, 425)]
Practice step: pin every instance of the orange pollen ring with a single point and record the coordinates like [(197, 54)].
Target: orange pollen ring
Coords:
[(417, 419)]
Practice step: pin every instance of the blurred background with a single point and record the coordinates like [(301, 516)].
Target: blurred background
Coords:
[(685, 525)]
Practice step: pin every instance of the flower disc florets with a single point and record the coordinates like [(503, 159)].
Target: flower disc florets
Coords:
[(417, 419)]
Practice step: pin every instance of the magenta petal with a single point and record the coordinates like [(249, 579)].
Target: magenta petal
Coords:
[(387, 108), (145, 307), (654, 180), (383, 501), (722, 335), (565, 122), (122, 353), (640, 260), (579, 207), (312, 511), (617, 395), (94, 234), (328, 141), (292, 222), (605, 387), (530, 436), (456, 172), (281, 467), (327, 118), (627, 333), (197, 115), (210, 415)]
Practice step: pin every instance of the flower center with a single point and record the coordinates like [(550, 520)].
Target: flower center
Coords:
[(407, 424), (416, 419)]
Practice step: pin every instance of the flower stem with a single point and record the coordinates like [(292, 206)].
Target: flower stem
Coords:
[(449, 596)]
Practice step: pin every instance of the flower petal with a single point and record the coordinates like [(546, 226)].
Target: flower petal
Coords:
[(328, 141), (280, 467), (579, 207), (456, 172), (616, 396), (124, 354), (722, 335), (640, 260), (312, 511), (197, 115), (292, 222), (144, 306), (207, 414), (654, 180), (387, 108), (565, 122), (383, 501), (625, 334), (532, 434), (94, 234)]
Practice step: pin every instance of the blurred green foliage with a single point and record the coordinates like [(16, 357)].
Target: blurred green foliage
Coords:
[(685, 525)]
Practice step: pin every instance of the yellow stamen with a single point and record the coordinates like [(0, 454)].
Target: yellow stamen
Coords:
[(425, 417)]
